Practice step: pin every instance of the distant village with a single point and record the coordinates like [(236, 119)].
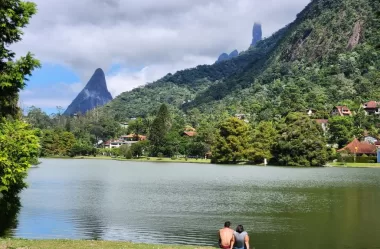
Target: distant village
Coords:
[(369, 146)]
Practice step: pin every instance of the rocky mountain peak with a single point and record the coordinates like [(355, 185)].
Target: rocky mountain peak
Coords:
[(257, 33), (93, 95)]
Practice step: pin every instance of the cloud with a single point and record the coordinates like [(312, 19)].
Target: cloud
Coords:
[(125, 80), (59, 94), (154, 35)]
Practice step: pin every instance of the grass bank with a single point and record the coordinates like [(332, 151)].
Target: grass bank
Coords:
[(144, 159), (354, 165), (81, 244)]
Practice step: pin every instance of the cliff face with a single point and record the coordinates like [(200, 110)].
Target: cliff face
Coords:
[(224, 56), (257, 34), (93, 95)]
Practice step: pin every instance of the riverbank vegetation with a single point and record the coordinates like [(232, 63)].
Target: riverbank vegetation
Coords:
[(81, 244), (353, 165), (290, 141)]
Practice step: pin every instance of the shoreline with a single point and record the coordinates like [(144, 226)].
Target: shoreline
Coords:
[(80, 244), (152, 159), (205, 161), (354, 165)]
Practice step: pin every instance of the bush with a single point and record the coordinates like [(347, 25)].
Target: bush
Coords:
[(128, 154), (174, 158), (160, 155), (359, 159)]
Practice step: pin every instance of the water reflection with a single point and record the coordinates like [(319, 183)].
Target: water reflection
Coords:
[(9, 210)]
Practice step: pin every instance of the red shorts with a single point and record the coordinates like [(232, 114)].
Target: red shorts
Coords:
[(225, 247)]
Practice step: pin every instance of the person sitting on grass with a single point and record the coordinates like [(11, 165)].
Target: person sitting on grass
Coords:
[(225, 236), (240, 240)]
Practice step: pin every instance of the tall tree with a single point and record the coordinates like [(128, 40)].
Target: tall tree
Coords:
[(14, 15), (160, 128), (232, 142), (301, 142), (340, 130), (262, 141), (18, 144)]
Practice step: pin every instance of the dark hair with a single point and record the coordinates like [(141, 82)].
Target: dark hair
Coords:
[(227, 224), (240, 229)]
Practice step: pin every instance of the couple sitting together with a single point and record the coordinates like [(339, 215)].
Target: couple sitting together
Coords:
[(230, 239)]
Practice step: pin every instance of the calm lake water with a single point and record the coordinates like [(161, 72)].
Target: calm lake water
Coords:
[(285, 208)]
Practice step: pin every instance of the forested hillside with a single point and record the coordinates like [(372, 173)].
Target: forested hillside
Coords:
[(329, 55)]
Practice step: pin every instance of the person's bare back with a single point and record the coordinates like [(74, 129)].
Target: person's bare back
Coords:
[(225, 236)]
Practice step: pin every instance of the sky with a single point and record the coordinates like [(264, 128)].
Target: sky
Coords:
[(135, 41)]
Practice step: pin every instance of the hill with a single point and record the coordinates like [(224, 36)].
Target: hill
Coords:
[(329, 55)]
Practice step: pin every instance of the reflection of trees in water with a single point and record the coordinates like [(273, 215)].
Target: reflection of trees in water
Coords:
[(91, 225), (9, 209), (89, 216)]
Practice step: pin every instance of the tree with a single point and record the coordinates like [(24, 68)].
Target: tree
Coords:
[(137, 127), (262, 141), (125, 151), (14, 15), (18, 147), (138, 149), (38, 119), (160, 128), (301, 142), (231, 143), (340, 130), (18, 143)]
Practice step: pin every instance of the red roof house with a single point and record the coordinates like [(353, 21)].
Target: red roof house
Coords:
[(341, 111), (133, 137), (372, 107), (360, 148)]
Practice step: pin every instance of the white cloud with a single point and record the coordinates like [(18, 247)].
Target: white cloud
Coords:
[(59, 94), (125, 80)]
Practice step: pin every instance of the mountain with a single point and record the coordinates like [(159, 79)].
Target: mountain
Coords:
[(328, 56), (257, 34), (224, 56), (93, 95)]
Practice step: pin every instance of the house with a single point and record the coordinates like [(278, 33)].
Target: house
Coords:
[(243, 117), (341, 111), (189, 132), (372, 108), (324, 123), (126, 139), (360, 148), (370, 139), (124, 125), (311, 112)]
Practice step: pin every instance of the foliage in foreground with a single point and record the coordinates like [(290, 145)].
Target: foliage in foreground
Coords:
[(18, 147), (18, 143)]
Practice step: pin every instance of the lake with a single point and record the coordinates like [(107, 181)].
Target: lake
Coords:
[(174, 203)]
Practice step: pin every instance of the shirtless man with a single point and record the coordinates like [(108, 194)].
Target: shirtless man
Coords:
[(226, 235)]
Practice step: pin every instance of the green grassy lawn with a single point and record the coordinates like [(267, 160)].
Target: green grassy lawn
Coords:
[(354, 165), (144, 159), (81, 244)]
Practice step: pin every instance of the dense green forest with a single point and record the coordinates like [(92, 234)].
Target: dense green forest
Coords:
[(328, 56)]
